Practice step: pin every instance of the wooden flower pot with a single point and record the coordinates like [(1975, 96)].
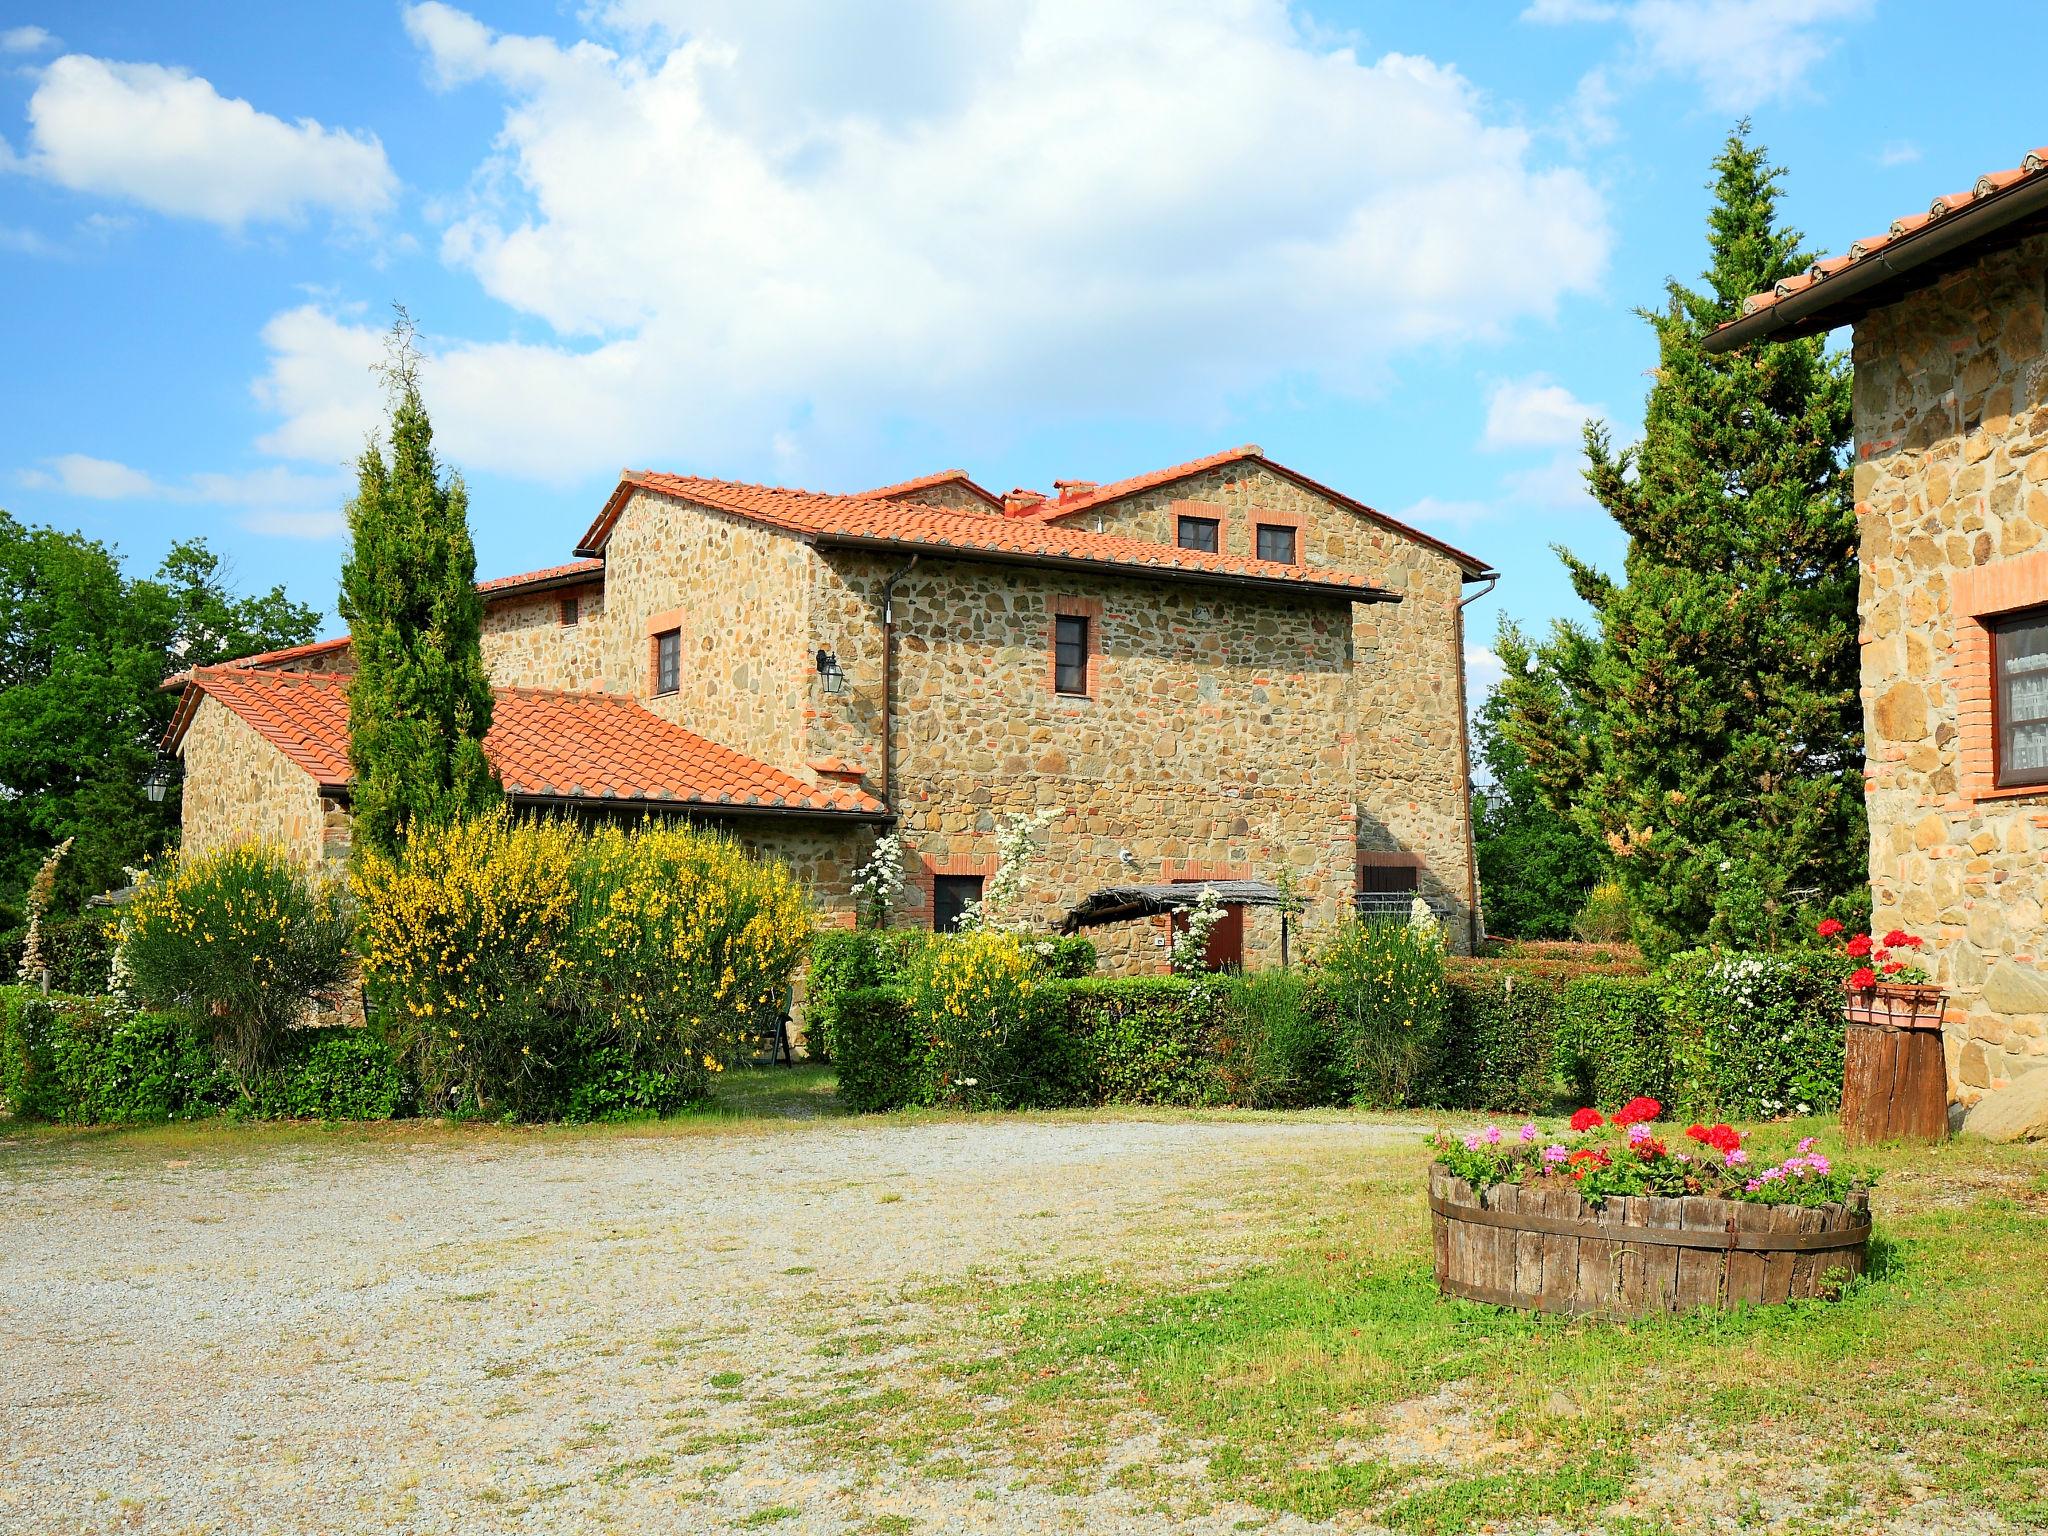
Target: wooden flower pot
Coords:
[(1544, 1249), (1894, 1076)]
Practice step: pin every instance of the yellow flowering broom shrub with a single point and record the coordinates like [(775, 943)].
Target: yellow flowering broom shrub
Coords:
[(241, 938), (681, 942), (463, 935), (533, 968), (972, 999), (1385, 987)]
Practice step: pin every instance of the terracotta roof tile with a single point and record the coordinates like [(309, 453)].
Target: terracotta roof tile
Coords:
[(574, 568), (913, 526), (906, 490), (1990, 184), (545, 745)]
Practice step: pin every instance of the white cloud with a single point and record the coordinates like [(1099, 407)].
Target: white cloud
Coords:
[(739, 224), (169, 141), (1483, 672), (1899, 152), (1534, 412), (26, 40), (1441, 512), (1559, 481), (1740, 53), (273, 500)]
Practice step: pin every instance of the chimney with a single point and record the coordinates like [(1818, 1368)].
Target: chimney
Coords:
[(1070, 489), (1020, 501)]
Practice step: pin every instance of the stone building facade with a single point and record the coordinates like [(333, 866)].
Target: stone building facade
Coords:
[(1951, 486), (891, 655)]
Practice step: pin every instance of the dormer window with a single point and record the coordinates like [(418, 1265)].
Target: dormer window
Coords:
[(1202, 533), (668, 661), (1279, 543)]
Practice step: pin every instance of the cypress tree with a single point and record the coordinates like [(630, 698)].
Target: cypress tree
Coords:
[(1706, 726), (420, 700)]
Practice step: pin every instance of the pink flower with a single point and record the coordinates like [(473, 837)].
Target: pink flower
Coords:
[(1472, 1143), (1805, 1145), (1554, 1154), (1529, 1131), (1735, 1157), (1638, 1134), (1493, 1135)]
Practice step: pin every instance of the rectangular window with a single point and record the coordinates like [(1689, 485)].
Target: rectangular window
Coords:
[(1070, 654), (950, 897), (572, 612), (2019, 660), (1200, 533), (1276, 542), (668, 661)]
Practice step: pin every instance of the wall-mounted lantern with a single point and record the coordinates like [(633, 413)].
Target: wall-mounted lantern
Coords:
[(157, 785), (829, 670)]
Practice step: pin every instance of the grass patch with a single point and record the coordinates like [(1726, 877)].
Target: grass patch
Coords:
[(1331, 1377)]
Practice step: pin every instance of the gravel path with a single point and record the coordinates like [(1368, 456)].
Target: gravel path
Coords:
[(495, 1333)]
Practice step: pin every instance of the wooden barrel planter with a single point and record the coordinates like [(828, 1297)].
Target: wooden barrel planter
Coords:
[(1544, 1249), (1894, 1075)]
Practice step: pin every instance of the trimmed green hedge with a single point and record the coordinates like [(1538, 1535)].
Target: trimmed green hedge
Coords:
[(1137, 1040), (83, 1062), (1755, 1036), (879, 1066)]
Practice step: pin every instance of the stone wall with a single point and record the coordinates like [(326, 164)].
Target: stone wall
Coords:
[(240, 788), (1952, 493), (738, 594), (526, 644), (1405, 697), (1217, 741)]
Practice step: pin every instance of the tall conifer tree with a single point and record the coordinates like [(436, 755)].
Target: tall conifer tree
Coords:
[(1707, 725), (420, 700)]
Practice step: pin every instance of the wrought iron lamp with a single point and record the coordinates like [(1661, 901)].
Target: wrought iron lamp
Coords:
[(830, 671), (157, 784)]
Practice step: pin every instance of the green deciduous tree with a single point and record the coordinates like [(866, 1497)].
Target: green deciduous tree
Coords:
[(1536, 864), (84, 651), (420, 700), (1707, 726)]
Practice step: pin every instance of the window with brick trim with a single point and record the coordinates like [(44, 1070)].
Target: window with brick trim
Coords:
[(1070, 653), (668, 661), (951, 896), (2019, 694), (1202, 533), (1278, 542)]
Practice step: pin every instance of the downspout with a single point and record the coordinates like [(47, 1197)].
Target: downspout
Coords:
[(889, 687), (1475, 920)]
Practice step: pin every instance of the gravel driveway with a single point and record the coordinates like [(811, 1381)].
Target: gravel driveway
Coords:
[(487, 1331)]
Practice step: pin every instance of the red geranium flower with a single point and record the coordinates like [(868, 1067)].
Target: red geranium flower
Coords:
[(1898, 937), (1638, 1109), (1586, 1119), (1828, 927), (1649, 1149), (1587, 1158), (1724, 1138), (1863, 980), (1858, 946), (1696, 1131), (1894, 967)]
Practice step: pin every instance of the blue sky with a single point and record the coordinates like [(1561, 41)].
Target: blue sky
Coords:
[(1398, 246)]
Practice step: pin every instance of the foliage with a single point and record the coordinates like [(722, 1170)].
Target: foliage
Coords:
[(420, 699), (83, 652), (679, 942), (1755, 1036), (1604, 918), (1537, 868), (1499, 1043), (1145, 1040), (971, 997), (1190, 953), (842, 960), (334, 1072), (1610, 1038), (881, 1065), (1277, 1047), (464, 936), (241, 938), (1892, 960), (1598, 1158), (1383, 984), (1708, 728)]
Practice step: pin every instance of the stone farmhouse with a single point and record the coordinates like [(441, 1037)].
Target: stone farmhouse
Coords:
[(1950, 310), (1219, 670)]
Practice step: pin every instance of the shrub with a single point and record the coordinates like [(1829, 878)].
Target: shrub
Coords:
[(1384, 988), (1065, 956), (880, 1063), (335, 1072), (1498, 1049), (969, 995), (1277, 1046), (846, 959), (1755, 1036), (80, 1062), (1604, 919), (241, 938), (1612, 1040), (678, 942), (1136, 1040), (464, 941)]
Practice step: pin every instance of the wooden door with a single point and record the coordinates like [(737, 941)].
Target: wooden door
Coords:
[(1225, 951)]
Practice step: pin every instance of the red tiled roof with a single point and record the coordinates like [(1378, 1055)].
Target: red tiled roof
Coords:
[(1895, 244), (554, 573), (1102, 495), (289, 653), (862, 521), (906, 490), (546, 745)]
